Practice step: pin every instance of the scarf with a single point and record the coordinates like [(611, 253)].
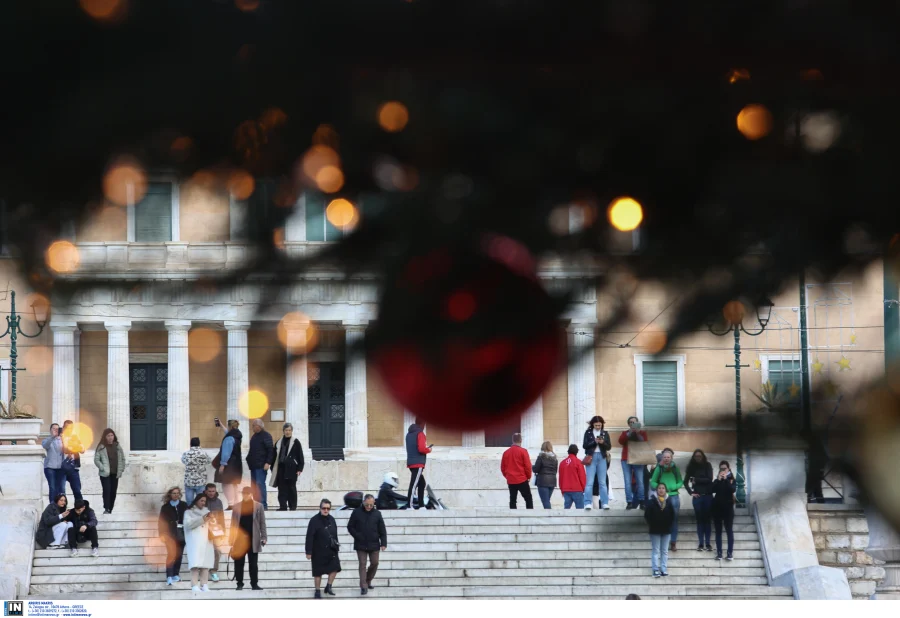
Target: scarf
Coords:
[(174, 503), (285, 449)]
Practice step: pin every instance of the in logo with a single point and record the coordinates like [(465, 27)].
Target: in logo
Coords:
[(13, 608)]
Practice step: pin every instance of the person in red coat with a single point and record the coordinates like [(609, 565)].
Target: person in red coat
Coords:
[(516, 469), (572, 479)]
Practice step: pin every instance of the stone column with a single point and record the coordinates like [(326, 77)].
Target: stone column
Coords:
[(533, 425), (472, 439), (356, 419), (238, 371), (582, 379), (297, 396), (77, 372), (178, 402), (884, 544), (118, 397), (64, 372)]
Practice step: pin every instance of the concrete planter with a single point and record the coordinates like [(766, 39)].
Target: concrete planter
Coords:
[(25, 429)]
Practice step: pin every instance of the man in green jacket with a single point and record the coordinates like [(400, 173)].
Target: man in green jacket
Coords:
[(669, 475)]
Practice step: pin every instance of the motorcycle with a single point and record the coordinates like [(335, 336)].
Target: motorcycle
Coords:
[(353, 500)]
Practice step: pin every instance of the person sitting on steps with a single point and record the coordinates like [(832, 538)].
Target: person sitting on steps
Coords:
[(84, 528)]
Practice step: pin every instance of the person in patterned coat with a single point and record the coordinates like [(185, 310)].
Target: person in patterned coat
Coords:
[(196, 469)]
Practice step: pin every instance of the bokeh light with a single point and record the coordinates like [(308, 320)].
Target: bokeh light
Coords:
[(104, 10), (204, 344), (737, 75), (293, 343), (326, 135), (125, 182), (342, 214), (36, 305), (393, 116), (733, 312), (253, 404), (77, 433), (181, 148), (278, 238), (461, 306), (62, 257), (240, 184), (754, 121), (247, 6), (38, 359), (819, 131), (273, 118), (330, 179), (654, 341), (317, 157), (625, 214)]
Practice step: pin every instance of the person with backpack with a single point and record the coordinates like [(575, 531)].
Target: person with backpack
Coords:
[(659, 515), (668, 474), (416, 455), (572, 479)]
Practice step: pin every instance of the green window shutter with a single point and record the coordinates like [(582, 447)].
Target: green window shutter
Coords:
[(315, 217), (783, 374), (660, 391), (153, 214)]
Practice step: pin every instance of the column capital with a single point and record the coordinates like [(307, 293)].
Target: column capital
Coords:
[(355, 325), (178, 325), (63, 326), (229, 325), (117, 325)]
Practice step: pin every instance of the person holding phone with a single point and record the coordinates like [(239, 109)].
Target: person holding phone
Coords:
[(230, 466), (53, 528), (53, 461), (634, 433), (596, 445), (723, 508), (416, 455), (199, 546)]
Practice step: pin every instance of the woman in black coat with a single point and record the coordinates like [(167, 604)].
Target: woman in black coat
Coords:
[(698, 479), (53, 527), (723, 508), (171, 532), (659, 515), (286, 468), (322, 547)]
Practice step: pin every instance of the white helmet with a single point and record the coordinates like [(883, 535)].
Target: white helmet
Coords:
[(392, 479)]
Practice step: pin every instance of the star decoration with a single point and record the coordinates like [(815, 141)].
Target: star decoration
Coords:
[(817, 366), (853, 338), (794, 390), (844, 363), (757, 364), (831, 389)]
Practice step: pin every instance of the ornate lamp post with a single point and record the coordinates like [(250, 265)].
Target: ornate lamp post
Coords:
[(734, 320), (14, 329)]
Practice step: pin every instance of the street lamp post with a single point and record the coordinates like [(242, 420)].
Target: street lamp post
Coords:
[(14, 329), (734, 318)]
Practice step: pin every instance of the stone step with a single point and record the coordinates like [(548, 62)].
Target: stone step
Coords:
[(348, 590), (114, 574)]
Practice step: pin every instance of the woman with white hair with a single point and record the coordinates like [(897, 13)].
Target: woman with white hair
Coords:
[(288, 466)]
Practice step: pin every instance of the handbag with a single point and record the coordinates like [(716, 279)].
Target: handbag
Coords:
[(216, 462), (335, 544), (588, 460), (641, 454), (179, 533)]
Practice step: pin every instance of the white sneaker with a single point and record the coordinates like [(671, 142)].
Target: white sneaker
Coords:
[(95, 552), (74, 553), (605, 507), (204, 588), (195, 588), (588, 507)]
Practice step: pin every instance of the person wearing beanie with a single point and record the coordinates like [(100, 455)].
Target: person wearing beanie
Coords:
[(84, 527)]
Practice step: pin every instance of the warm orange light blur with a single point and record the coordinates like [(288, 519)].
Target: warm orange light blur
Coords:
[(393, 116), (754, 121), (654, 341), (342, 214), (248, 6), (62, 257), (181, 147), (290, 330), (240, 184), (104, 10), (36, 306), (273, 118), (330, 179), (625, 214), (125, 183), (253, 404), (38, 359), (737, 75), (405, 178), (278, 237), (204, 178), (733, 312), (204, 344), (78, 432), (317, 157), (326, 135)]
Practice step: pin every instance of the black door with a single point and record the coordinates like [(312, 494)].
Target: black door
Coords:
[(149, 388), (326, 411)]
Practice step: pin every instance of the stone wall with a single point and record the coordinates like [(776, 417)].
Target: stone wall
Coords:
[(842, 535)]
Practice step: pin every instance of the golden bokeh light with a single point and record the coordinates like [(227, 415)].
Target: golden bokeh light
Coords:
[(253, 404), (754, 121), (78, 433), (737, 75), (297, 334), (205, 179), (204, 344), (326, 135), (125, 183), (318, 157), (625, 214), (330, 179), (247, 6), (240, 184), (278, 237), (733, 312), (342, 214), (654, 341), (37, 306), (62, 257), (104, 10), (38, 359), (393, 116)]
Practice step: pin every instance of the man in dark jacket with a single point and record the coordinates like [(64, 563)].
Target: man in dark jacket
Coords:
[(260, 458), (84, 527), (416, 455), (366, 526)]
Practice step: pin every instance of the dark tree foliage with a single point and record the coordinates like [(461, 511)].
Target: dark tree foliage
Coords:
[(515, 107)]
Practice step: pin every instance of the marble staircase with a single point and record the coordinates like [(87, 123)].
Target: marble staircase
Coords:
[(431, 555)]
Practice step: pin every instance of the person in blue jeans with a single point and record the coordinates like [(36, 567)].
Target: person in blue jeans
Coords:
[(633, 434), (596, 444), (699, 483), (71, 465), (545, 467), (659, 515), (260, 457), (53, 461), (668, 474), (572, 479)]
